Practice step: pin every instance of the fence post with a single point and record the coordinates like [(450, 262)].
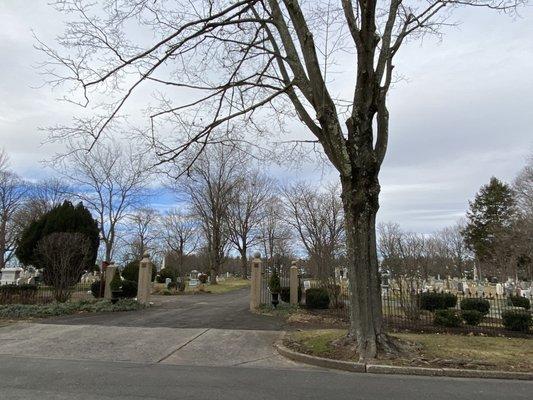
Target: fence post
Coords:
[(255, 288), (294, 283), (109, 274), (145, 280)]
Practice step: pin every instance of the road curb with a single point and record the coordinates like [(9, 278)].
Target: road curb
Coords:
[(398, 370)]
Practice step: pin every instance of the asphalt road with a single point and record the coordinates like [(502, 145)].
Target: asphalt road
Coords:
[(43, 379), (223, 311), (195, 347)]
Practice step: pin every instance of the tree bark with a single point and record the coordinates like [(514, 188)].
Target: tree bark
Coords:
[(244, 264), (360, 201)]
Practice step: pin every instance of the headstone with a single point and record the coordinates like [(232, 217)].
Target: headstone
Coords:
[(167, 281), (193, 282), (307, 285), (499, 289), (10, 276)]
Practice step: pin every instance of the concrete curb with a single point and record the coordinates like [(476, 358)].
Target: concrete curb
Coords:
[(398, 370)]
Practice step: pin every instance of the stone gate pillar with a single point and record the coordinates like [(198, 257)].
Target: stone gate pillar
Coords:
[(294, 283), (145, 280), (255, 287), (109, 274)]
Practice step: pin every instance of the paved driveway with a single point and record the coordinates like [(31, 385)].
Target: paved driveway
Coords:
[(214, 330), (219, 311)]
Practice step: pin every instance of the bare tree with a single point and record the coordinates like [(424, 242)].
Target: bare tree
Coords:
[(275, 234), (210, 188), (245, 213), (179, 232), (234, 57), (12, 195), (523, 187), (142, 232), (318, 222), (111, 180), (401, 255), (65, 256)]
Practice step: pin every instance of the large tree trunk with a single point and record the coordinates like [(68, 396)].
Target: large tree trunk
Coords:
[(244, 264), (360, 201), (3, 234)]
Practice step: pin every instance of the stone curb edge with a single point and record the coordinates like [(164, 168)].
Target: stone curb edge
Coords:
[(398, 370)]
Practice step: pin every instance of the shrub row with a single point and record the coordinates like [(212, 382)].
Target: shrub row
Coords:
[(513, 320), (14, 311)]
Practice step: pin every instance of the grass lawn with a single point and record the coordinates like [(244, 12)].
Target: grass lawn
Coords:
[(228, 285), (429, 350)]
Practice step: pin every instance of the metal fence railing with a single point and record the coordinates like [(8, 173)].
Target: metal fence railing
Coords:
[(404, 312), (39, 294)]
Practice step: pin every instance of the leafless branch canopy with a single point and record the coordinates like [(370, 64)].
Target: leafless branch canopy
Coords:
[(215, 65)]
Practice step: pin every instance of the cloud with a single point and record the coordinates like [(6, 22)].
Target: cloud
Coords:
[(461, 114)]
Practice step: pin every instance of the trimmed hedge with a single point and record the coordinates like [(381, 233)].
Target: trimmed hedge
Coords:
[(432, 301), (519, 301), (317, 298), (517, 320), (129, 289), (447, 318), (472, 317), (13, 311), (474, 303)]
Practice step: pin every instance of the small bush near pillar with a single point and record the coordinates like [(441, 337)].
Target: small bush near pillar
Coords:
[(317, 298), (285, 294)]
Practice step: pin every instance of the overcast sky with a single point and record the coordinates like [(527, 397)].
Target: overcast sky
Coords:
[(463, 113)]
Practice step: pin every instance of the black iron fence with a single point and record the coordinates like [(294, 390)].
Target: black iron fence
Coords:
[(39, 294), (488, 314)]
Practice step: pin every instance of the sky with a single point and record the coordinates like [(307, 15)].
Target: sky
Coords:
[(462, 112)]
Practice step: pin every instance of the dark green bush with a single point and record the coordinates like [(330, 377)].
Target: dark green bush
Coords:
[(129, 289), (274, 284), (517, 320), (472, 317), (432, 301), (475, 303), (317, 298), (116, 282), (163, 275), (285, 294), (447, 318), (131, 271), (519, 301), (95, 289)]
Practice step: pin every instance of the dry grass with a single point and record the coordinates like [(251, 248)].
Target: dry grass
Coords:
[(432, 350), (228, 285)]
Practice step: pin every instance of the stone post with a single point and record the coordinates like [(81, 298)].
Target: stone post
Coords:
[(109, 274), (255, 288), (294, 283), (144, 288)]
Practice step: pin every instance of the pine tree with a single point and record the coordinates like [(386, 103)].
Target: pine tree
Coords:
[(491, 216), (63, 218)]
